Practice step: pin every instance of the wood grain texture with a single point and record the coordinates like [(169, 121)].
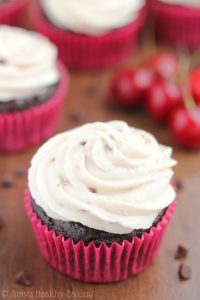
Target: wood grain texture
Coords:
[(18, 250)]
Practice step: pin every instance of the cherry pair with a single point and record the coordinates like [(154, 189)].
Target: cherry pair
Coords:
[(157, 84)]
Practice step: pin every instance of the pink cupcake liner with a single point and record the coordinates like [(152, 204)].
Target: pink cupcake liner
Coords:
[(12, 12), (177, 25), (22, 129), (79, 51), (97, 263)]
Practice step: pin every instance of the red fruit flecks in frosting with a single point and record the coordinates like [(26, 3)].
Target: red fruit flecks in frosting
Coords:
[(92, 190)]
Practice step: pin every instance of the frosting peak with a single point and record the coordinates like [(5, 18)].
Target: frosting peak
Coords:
[(91, 17), (27, 63), (107, 176)]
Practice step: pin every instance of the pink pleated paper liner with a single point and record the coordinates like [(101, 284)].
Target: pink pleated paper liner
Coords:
[(97, 264), (177, 25), (22, 129), (79, 51), (12, 12)]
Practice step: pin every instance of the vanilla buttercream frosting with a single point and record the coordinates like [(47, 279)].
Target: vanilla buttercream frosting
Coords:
[(91, 17), (28, 63), (191, 3), (107, 176)]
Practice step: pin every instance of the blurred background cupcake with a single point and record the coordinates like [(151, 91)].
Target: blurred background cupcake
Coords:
[(90, 34), (177, 22), (12, 11), (32, 88)]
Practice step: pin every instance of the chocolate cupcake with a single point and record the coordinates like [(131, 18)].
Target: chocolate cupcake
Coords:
[(32, 87), (100, 192)]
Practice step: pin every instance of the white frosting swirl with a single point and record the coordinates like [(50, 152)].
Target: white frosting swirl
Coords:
[(28, 63), (192, 3), (107, 176), (91, 17)]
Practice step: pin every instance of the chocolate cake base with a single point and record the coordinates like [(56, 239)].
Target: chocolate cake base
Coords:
[(21, 104), (78, 231)]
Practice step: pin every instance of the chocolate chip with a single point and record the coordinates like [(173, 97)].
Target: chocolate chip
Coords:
[(77, 115), (181, 252), (7, 181), (20, 171), (23, 279), (83, 143), (1, 223), (178, 185), (184, 272), (92, 190)]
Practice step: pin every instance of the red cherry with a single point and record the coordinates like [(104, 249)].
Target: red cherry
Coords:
[(164, 64), (123, 90), (195, 85), (143, 79), (184, 125), (162, 98)]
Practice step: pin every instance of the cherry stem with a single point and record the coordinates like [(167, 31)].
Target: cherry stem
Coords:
[(185, 66)]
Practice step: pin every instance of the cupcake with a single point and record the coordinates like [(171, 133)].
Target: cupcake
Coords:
[(99, 199), (12, 11), (177, 22), (32, 88), (90, 34)]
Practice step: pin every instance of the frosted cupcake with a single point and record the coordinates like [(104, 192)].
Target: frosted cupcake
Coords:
[(90, 34), (178, 22), (12, 11), (100, 199), (32, 88)]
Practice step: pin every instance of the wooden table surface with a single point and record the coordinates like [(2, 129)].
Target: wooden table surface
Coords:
[(18, 250)]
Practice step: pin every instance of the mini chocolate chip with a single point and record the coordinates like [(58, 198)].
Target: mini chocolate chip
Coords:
[(2, 223), (92, 190), (2, 61), (184, 272), (23, 279), (77, 115), (83, 143), (181, 252), (7, 181), (91, 90), (20, 171), (107, 147), (178, 185)]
